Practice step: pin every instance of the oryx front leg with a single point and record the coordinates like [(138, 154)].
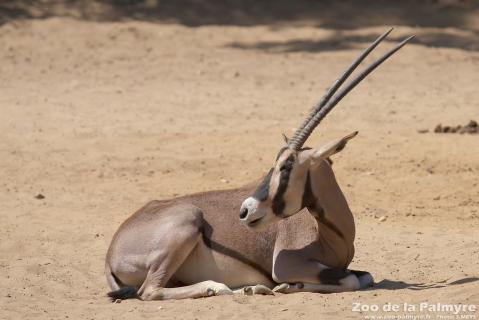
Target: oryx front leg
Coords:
[(298, 275), (313, 287)]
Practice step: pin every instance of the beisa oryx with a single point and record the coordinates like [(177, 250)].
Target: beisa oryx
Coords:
[(295, 231)]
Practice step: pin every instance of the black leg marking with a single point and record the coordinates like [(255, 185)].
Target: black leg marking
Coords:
[(332, 276), (359, 273)]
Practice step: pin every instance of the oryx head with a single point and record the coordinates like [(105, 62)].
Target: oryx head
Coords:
[(284, 189)]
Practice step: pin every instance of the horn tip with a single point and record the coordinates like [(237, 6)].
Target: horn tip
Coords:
[(410, 38)]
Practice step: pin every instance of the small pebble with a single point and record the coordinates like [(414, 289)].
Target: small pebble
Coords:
[(39, 196), (382, 218)]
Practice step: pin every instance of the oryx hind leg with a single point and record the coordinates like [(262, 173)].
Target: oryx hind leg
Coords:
[(183, 236), (197, 290), (175, 234)]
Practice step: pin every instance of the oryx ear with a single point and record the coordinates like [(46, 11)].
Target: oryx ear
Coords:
[(333, 147)]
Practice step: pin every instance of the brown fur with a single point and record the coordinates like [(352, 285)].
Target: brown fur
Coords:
[(170, 241)]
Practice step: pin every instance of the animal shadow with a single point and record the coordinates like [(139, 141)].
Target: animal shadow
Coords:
[(387, 284)]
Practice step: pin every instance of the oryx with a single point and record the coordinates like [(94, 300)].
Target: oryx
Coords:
[(295, 231)]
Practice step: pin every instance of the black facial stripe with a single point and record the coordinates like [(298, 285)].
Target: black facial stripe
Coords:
[(308, 196), (278, 201), (261, 193)]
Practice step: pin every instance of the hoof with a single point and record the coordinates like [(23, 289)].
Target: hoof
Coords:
[(210, 292), (289, 287), (217, 289), (257, 289)]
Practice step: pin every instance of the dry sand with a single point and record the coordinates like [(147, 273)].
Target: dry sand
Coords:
[(102, 115)]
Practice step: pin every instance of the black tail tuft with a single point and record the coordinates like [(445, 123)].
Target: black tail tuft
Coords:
[(123, 293)]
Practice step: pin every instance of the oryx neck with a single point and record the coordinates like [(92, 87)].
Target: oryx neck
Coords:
[(309, 199)]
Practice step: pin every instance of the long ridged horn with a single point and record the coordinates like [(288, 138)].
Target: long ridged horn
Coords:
[(328, 102), (325, 98)]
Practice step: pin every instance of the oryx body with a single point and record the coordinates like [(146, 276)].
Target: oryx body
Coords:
[(295, 230), (199, 237)]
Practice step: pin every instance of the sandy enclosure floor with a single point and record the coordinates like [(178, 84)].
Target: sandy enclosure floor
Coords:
[(100, 117)]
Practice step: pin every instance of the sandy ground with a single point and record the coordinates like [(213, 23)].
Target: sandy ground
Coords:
[(101, 116)]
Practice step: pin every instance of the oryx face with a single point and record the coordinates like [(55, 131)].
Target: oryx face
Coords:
[(279, 194), (286, 189)]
